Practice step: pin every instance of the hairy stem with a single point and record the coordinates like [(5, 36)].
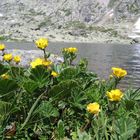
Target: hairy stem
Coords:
[(31, 110), (45, 55)]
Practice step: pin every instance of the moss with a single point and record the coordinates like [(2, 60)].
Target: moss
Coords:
[(75, 24), (67, 12), (3, 38), (46, 22)]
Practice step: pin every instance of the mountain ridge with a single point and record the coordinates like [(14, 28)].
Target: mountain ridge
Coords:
[(34, 18)]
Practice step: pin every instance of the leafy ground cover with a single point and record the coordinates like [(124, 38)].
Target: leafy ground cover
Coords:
[(64, 101)]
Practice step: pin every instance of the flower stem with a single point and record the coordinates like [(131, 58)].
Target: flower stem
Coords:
[(117, 80), (45, 55), (31, 110)]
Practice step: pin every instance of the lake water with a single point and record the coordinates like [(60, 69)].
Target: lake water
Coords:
[(101, 58)]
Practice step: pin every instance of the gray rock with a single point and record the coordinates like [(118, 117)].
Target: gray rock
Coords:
[(30, 19), (27, 56), (78, 32)]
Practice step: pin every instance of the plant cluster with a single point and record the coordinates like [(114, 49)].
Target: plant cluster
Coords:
[(64, 101)]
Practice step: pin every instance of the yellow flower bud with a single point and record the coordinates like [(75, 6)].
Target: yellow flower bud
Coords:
[(114, 95), (42, 43), (17, 59), (2, 47), (8, 57), (93, 108), (49, 68), (70, 50), (5, 76), (54, 74), (103, 80), (111, 76), (65, 49)]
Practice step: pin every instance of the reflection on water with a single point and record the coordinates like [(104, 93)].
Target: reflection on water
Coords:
[(102, 57)]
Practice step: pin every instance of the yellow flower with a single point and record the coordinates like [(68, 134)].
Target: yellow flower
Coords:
[(2, 47), (8, 57), (42, 43), (17, 59), (36, 62), (70, 50), (54, 74), (119, 72), (39, 61), (5, 76), (114, 95), (93, 108), (46, 63)]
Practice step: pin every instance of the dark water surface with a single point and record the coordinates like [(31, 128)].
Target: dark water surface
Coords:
[(101, 57)]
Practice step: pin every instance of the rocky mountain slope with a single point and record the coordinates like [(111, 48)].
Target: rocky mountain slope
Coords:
[(71, 20)]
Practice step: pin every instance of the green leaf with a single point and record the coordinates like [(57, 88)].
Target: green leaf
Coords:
[(93, 93), (83, 64), (136, 95), (60, 130), (5, 109), (17, 72), (47, 110), (133, 95), (7, 86), (57, 68), (131, 98), (3, 69), (40, 75), (30, 86), (68, 73), (77, 99), (125, 127), (87, 79), (129, 104), (63, 89), (83, 135), (101, 126)]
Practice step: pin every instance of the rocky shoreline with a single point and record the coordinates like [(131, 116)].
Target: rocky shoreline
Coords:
[(27, 56), (108, 35)]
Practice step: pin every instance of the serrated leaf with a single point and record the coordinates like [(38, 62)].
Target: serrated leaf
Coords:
[(40, 75), (63, 89), (60, 130), (68, 73), (125, 127), (5, 108), (83, 135), (30, 86), (17, 72), (3, 69), (77, 99), (7, 86), (133, 95), (136, 95), (47, 110)]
